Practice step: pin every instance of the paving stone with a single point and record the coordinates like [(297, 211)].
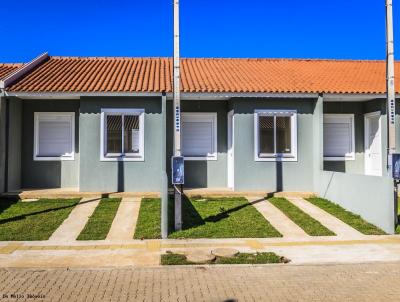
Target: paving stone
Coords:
[(225, 252), (330, 283), (200, 256)]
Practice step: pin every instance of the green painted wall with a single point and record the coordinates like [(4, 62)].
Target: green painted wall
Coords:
[(203, 174), (47, 174), (14, 146), (357, 166), (2, 141), (112, 176), (272, 176)]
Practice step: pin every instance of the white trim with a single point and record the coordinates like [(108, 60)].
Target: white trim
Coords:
[(366, 138), (292, 157), (36, 134), (103, 136), (351, 155), (213, 115), (231, 150)]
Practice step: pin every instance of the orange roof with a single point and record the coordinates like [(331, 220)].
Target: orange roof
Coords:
[(73, 74), (6, 69)]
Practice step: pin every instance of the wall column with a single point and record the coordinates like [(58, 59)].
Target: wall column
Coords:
[(318, 140), (2, 143)]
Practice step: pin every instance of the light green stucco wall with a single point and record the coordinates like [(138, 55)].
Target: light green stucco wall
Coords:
[(203, 173), (357, 166), (268, 176), (47, 174), (112, 176)]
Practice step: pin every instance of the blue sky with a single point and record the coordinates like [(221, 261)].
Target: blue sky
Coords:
[(351, 29)]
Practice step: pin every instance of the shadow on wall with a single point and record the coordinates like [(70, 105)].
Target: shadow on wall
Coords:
[(121, 177), (335, 166), (196, 174)]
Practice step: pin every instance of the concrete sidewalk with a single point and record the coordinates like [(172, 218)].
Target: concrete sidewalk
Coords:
[(139, 253), (340, 228), (124, 223), (71, 227), (278, 220)]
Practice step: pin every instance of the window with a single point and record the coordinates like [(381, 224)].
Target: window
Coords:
[(339, 136), (122, 134), (275, 135), (199, 136), (54, 136)]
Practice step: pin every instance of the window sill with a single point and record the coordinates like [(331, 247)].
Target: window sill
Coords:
[(207, 158), (276, 159), (115, 159), (339, 158), (53, 158)]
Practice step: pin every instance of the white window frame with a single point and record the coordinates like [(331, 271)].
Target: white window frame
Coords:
[(348, 156), (199, 116), (276, 156), (36, 155), (103, 135)]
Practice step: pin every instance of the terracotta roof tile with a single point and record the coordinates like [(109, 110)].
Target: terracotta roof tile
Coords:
[(6, 69), (74, 74)]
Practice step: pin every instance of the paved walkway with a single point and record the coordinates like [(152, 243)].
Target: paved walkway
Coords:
[(357, 282), (76, 221), (124, 223), (138, 253), (340, 228), (278, 220)]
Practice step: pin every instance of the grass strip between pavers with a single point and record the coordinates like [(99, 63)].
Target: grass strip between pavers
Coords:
[(99, 223), (35, 220), (221, 218), (148, 225), (205, 218), (353, 220), (311, 226), (241, 258)]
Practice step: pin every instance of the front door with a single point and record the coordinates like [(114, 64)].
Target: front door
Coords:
[(373, 144)]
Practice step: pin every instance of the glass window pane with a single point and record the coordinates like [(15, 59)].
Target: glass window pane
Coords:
[(266, 133), (131, 134), (114, 133), (283, 134)]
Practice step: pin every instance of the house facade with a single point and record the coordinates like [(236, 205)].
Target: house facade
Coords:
[(106, 124)]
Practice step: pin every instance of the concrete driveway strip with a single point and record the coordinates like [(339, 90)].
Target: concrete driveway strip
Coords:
[(124, 223), (70, 229), (340, 228), (278, 220)]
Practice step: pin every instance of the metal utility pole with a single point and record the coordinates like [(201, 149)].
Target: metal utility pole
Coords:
[(177, 112), (391, 104)]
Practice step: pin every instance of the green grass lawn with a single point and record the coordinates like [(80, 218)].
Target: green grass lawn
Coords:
[(99, 223), (221, 218), (35, 220), (347, 217), (241, 258), (205, 218), (148, 224), (306, 222)]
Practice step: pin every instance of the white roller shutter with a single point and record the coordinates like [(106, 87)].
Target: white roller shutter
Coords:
[(54, 135), (338, 136), (199, 135)]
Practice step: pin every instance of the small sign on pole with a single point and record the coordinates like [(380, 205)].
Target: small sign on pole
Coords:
[(396, 166), (178, 170)]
